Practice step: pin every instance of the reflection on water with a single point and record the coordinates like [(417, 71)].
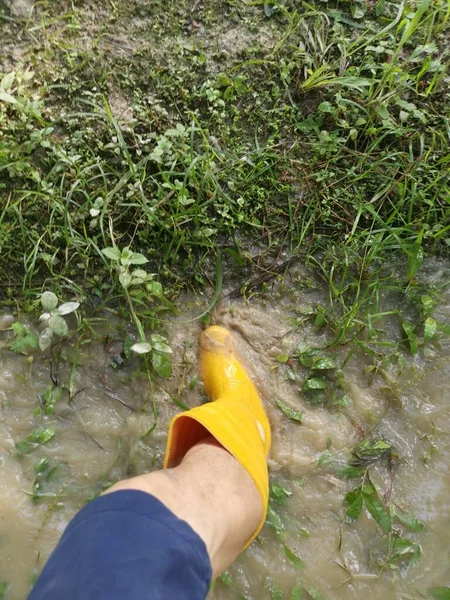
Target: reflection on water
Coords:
[(103, 414)]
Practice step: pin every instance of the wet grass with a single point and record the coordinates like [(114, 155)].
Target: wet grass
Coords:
[(326, 137)]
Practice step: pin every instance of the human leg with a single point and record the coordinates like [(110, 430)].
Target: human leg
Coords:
[(156, 535)]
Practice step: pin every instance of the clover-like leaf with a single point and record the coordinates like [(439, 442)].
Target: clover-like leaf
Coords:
[(67, 308), (45, 338), (141, 348), (49, 301), (58, 325)]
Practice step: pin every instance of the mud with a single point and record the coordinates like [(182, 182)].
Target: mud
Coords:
[(104, 414)]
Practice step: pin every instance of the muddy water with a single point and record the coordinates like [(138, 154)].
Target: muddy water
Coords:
[(103, 423)]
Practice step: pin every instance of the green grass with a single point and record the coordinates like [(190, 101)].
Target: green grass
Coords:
[(330, 143)]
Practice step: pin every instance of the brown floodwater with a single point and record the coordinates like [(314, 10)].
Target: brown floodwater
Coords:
[(104, 421)]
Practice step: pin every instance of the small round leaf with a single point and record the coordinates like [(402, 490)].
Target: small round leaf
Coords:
[(49, 301), (45, 339), (58, 325)]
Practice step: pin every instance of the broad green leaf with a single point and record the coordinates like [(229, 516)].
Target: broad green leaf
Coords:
[(315, 383), (427, 303), (297, 591), (308, 357), (274, 520), (268, 10), (276, 592), (320, 320), (138, 259), (155, 288), (282, 358), (41, 465), (4, 588), (112, 253), (356, 504), (160, 344), (5, 97), (351, 472), (7, 81), (323, 364), (279, 494), (378, 512), (293, 558), (411, 337), (430, 328), (141, 348), (50, 397), (162, 365), (404, 550), (408, 520), (314, 594), (379, 7), (49, 301), (125, 279), (36, 438), (58, 325), (295, 415), (67, 308), (440, 593)]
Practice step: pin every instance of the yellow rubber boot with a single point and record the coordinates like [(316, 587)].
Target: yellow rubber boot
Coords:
[(235, 417)]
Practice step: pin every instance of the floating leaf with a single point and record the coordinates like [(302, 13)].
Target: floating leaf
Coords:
[(355, 500), (293, 558), (141, 348), (36, 438), (295, 415), (314, 594), (67, 308), (408, 520), (50, 397), (112, 253), (41, 465), (4, 588), (411, 337), (367, 452), (58, 325), (162, 365), (282, 358), (351, 472), (49, 301), (276, 592), (308, 357), (314, 383), (440, 593), (279, 494), (427, 303), (323, 364), (378, 512), (274, 520), (404, 550), (430, 328), (297, 591)]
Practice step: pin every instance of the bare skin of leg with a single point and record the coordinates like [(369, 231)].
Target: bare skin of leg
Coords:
[(212, 492)]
